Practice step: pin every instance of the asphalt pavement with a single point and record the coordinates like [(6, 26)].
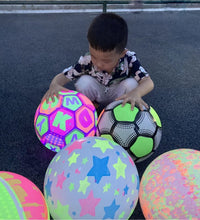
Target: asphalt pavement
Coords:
[(35, 47)]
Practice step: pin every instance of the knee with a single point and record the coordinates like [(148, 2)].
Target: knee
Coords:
[(129, 84), (83, 82)]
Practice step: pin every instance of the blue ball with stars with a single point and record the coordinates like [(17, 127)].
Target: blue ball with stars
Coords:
[(91, 178)]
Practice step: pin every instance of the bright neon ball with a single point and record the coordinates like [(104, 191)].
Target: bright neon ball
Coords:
[(69, 118), (92, 178), (170, 186), (20, 198)]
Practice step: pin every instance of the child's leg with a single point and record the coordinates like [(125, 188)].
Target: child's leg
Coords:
[(123, 87), (127, 85), (97, 92), (91, 88)]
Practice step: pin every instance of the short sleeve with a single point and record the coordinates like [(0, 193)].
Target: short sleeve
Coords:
[(83, 66), (135, 68)]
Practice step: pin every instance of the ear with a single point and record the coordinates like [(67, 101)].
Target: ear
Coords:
[(123, 53)]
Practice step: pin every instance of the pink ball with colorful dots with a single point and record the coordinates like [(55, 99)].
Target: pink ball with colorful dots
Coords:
[(92, 178), (170, 186), (20, 198), (69, 118)]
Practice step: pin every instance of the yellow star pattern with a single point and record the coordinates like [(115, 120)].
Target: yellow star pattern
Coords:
[(120, 168), (106, 187), (83, 185), (71, 187), (73, 158), (62, 211), (103, 145)]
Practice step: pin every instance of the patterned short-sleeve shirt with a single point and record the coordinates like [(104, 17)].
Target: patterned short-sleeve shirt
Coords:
[(128, 66)]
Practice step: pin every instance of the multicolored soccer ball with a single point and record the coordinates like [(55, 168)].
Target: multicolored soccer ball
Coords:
[(92, 178), (69, 118), (139, 132), (170, 186), (20, 198)]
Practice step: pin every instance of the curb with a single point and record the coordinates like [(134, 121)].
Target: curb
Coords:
[(88, 8)]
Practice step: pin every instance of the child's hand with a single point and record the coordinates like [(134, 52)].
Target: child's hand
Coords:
[(134, 99), (53, 92)]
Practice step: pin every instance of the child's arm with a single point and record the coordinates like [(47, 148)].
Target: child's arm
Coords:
[(56, 86), (135, 96)]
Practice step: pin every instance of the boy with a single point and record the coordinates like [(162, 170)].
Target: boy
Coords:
[(109, 72)]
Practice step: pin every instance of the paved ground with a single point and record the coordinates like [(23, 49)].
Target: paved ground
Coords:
[(34, 47)]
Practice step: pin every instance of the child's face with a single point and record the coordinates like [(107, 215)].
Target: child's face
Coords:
[(105, 61)]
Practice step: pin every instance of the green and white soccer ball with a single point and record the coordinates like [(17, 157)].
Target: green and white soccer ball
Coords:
[(138, 132)]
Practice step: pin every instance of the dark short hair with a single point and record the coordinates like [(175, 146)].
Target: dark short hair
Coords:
[(108, 31)]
